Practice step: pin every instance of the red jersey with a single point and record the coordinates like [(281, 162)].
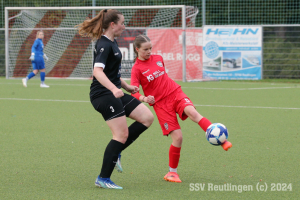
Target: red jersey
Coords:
[(151, 75)]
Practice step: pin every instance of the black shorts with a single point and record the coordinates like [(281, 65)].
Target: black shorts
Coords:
[(111, 107)]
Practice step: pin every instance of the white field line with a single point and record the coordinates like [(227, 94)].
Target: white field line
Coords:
[(259, 107), (265, 88), (53, 100), (199, 88), (224, 106), (87, 85)]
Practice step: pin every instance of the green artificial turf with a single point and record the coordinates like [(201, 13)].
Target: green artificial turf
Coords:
[(52, 143)]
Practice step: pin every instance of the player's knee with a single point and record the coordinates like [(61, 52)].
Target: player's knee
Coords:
[(149, 119), (177, 141), (122, 138), (121, 135), (194, 115), (177, 137)]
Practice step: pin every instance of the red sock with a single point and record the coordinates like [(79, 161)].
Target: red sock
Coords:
[(204, 123), (174, 155)]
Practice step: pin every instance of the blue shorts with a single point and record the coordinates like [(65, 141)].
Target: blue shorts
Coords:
[(38, 64)]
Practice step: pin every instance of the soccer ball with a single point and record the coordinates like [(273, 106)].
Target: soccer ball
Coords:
[(216, 134)]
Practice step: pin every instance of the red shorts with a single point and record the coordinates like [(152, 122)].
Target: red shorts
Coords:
[(167, 108)]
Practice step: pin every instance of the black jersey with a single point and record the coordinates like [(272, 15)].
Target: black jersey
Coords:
[(108, 53)]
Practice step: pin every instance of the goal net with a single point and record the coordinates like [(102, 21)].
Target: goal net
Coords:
[(71, 56)]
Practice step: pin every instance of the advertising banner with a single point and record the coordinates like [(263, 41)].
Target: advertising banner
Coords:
[(125, 42), (168, 44), (232, 53)]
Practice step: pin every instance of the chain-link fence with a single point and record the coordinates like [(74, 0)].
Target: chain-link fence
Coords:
[(281, 52), (281, 31), (252, 12)]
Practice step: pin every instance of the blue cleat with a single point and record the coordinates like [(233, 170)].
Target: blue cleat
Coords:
[(106, 183), (118, 164)]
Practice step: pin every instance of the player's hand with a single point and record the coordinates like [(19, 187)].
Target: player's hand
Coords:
[(31, 57), (132, 89), (46, 58), (118, 93), (149, 99)]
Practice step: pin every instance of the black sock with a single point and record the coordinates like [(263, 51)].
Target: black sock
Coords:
[(134, 131), (110, 158)]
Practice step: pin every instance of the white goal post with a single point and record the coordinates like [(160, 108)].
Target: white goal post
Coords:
[(70, 55)]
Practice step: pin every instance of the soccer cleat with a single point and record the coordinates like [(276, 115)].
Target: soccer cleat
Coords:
[(226, 145), (43, 85), (118, 165), (24, 81), (172, 177), (106, 183)]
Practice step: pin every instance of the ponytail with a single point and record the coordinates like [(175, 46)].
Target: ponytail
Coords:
[(95, 27)]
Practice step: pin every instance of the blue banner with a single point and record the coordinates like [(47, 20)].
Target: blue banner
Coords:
[(232, 53), (253, 73)]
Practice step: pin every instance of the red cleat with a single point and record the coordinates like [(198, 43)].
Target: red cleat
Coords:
[(172, 177), (226, 145)]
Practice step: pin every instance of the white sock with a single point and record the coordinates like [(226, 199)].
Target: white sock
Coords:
[(172, 169)]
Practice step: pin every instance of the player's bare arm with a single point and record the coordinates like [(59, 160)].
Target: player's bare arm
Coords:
[(129, 88), (149, 99)]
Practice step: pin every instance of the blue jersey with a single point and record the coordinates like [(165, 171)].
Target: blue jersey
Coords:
[(37, 48)]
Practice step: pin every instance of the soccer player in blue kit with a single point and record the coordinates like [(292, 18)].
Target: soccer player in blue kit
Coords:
[(37, 59)]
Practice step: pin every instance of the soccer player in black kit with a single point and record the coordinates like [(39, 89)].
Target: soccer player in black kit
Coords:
[(106, 95)]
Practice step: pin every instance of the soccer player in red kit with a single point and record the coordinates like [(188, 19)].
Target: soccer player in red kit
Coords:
[(167, 99)]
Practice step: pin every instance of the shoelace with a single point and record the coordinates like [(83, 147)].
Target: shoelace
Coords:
[(108, 181)]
